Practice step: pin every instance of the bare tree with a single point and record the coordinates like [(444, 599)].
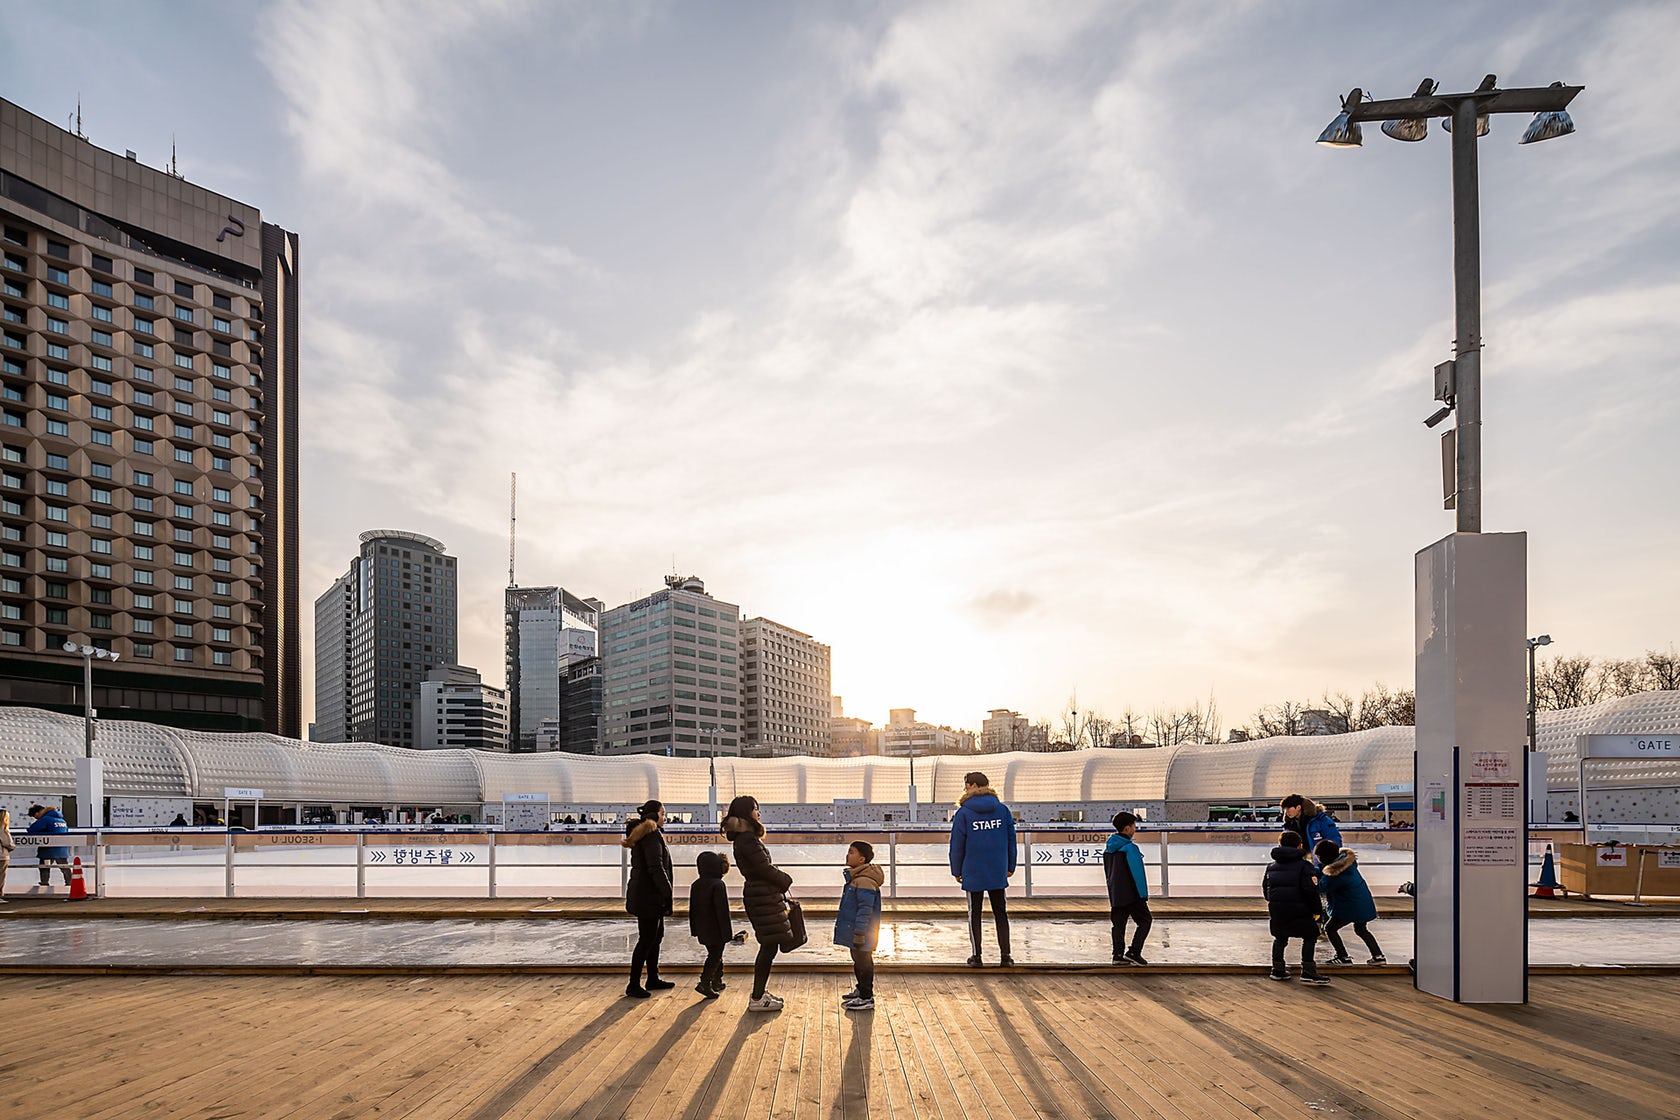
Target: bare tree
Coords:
[(1279, 719), (1622, 677), (1378, 707), (1662, 668), (1566, 682), (1130, 726), (1099, 730), (1343, 712)]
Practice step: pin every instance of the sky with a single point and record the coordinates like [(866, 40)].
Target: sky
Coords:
[(1019, 352)]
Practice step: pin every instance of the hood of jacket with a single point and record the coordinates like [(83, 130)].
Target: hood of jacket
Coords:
[(1288, 855), (983, 801), (1118, 842), (711, 865), (868, 877), (50, 819), (742, 826), (641, 830), (1341, 863)]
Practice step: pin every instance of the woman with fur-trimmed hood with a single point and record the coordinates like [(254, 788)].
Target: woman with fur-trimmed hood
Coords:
[(764, 896), (648, 895)]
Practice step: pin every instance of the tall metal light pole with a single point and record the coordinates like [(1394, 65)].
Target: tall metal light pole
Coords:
[(90, 771), (1459, 382), (1470, 928), (711, 790), (1531, 643)]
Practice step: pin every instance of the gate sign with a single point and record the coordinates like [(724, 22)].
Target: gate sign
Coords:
[(1666, 745), (233, 793)]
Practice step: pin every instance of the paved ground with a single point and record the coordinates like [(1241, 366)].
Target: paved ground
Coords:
[(990, 1045), (571, 943)]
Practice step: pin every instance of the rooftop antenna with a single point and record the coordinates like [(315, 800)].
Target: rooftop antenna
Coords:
[(174, 168), (80, 135), (513, 522)]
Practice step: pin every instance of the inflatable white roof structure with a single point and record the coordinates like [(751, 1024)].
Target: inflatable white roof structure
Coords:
[(38, 750)]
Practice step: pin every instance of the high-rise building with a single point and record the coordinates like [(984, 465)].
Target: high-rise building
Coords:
[(334, 611), (401, 591), (785, 697), (580, 708), (458, 710), (149, 438), (547, 630), (670, 667)]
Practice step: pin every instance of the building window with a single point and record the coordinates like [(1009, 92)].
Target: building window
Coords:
[(57, 428), (184, 361), (143, 423), (144, 326), (142, 625), (183, 455), (183, 630), (220, 370), (143, 529), (183, 606), (57, 275), (143, 577), (103, 439), (183, 408), (143, 603), (57, 513), (99, 571), (54, 350), (183, 559), (143, 478), (183, 583), (182, 486), (221, 610), (103, 314), (101, 412), (184, 314), (142, 447), (222, 325), (99, 520), (183, 655), (142, 300), (142, 649), (58, 487), (99, 545), (99, 621), (221, 657), (58, 301)]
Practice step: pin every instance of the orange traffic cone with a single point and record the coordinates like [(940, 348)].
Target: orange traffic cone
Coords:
[(1548, 885), (78, 885)]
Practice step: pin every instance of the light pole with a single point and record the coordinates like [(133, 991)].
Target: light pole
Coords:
[(90, 771), (1531, 643), (912, 753), (711, 790), (1470, 927), (1458, 383)]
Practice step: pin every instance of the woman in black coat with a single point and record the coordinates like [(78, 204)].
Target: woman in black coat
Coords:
[(649, 895), (764, 897)]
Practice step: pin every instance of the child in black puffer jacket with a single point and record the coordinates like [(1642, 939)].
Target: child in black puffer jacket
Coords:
[(1291, 891)]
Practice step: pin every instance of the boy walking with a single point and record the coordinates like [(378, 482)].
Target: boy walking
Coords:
[(1292, 901), (858, 925), (1128, 890), (708, 919)]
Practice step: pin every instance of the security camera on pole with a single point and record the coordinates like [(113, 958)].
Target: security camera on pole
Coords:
[(90, 771)]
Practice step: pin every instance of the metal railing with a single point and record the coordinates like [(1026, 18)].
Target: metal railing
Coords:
[(474, 861)]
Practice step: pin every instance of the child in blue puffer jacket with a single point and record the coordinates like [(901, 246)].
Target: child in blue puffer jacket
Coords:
[(1128, 890), (1347, 899), (858, 925)]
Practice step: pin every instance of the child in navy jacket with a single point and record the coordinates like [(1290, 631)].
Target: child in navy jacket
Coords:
[(1128, 890)]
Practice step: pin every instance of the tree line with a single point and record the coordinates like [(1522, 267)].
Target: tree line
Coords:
[(1564, 681)]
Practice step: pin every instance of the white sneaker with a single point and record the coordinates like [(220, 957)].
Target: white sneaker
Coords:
[(765, 1002)]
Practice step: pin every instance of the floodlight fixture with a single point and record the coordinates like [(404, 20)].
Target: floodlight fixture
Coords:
[(1548, 125), (1341, 132), (1440, 415), (1411, 130)]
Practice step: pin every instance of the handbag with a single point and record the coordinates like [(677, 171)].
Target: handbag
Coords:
[(796, 920)]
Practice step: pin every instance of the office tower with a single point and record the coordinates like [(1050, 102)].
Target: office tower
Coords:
[(670, 668), (334, 611), (785, 697), (547, 629), (458, 710), (148, 493), (401, 593), (580, 708)]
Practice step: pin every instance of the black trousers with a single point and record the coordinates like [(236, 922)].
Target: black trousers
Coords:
[(863, 967), (1000, 915), (711, 973), (649, 933), (1138, 912), (1309, 967), (47, 864), (761, 967), (1333, 931)]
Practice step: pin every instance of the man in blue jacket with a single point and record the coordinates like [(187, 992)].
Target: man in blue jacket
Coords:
[(44, 820), (983, 859)]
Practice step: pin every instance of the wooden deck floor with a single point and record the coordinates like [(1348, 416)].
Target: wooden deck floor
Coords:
[(1133, 1046)]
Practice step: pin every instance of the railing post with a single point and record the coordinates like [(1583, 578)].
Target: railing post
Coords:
[(227, 840), (361, 865), (623, 871), (1026, 843), (892, 865), (490, 857), (1166, 866), (98, 866)]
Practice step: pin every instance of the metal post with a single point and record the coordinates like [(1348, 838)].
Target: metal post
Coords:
[(913, 797), (1639, 878), (361, 865), (1467, 293), (490, 859), (87, 706), (1166, 867), (227, 848), (1530, 696), (1026, 844), (892, 865), (98, 866)]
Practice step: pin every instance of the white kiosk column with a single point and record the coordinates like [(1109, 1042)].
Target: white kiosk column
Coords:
[(1472, 916)]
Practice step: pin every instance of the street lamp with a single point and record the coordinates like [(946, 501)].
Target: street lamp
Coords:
[(90, 771), (1465, 115), (1531, 643), (711, 790)]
